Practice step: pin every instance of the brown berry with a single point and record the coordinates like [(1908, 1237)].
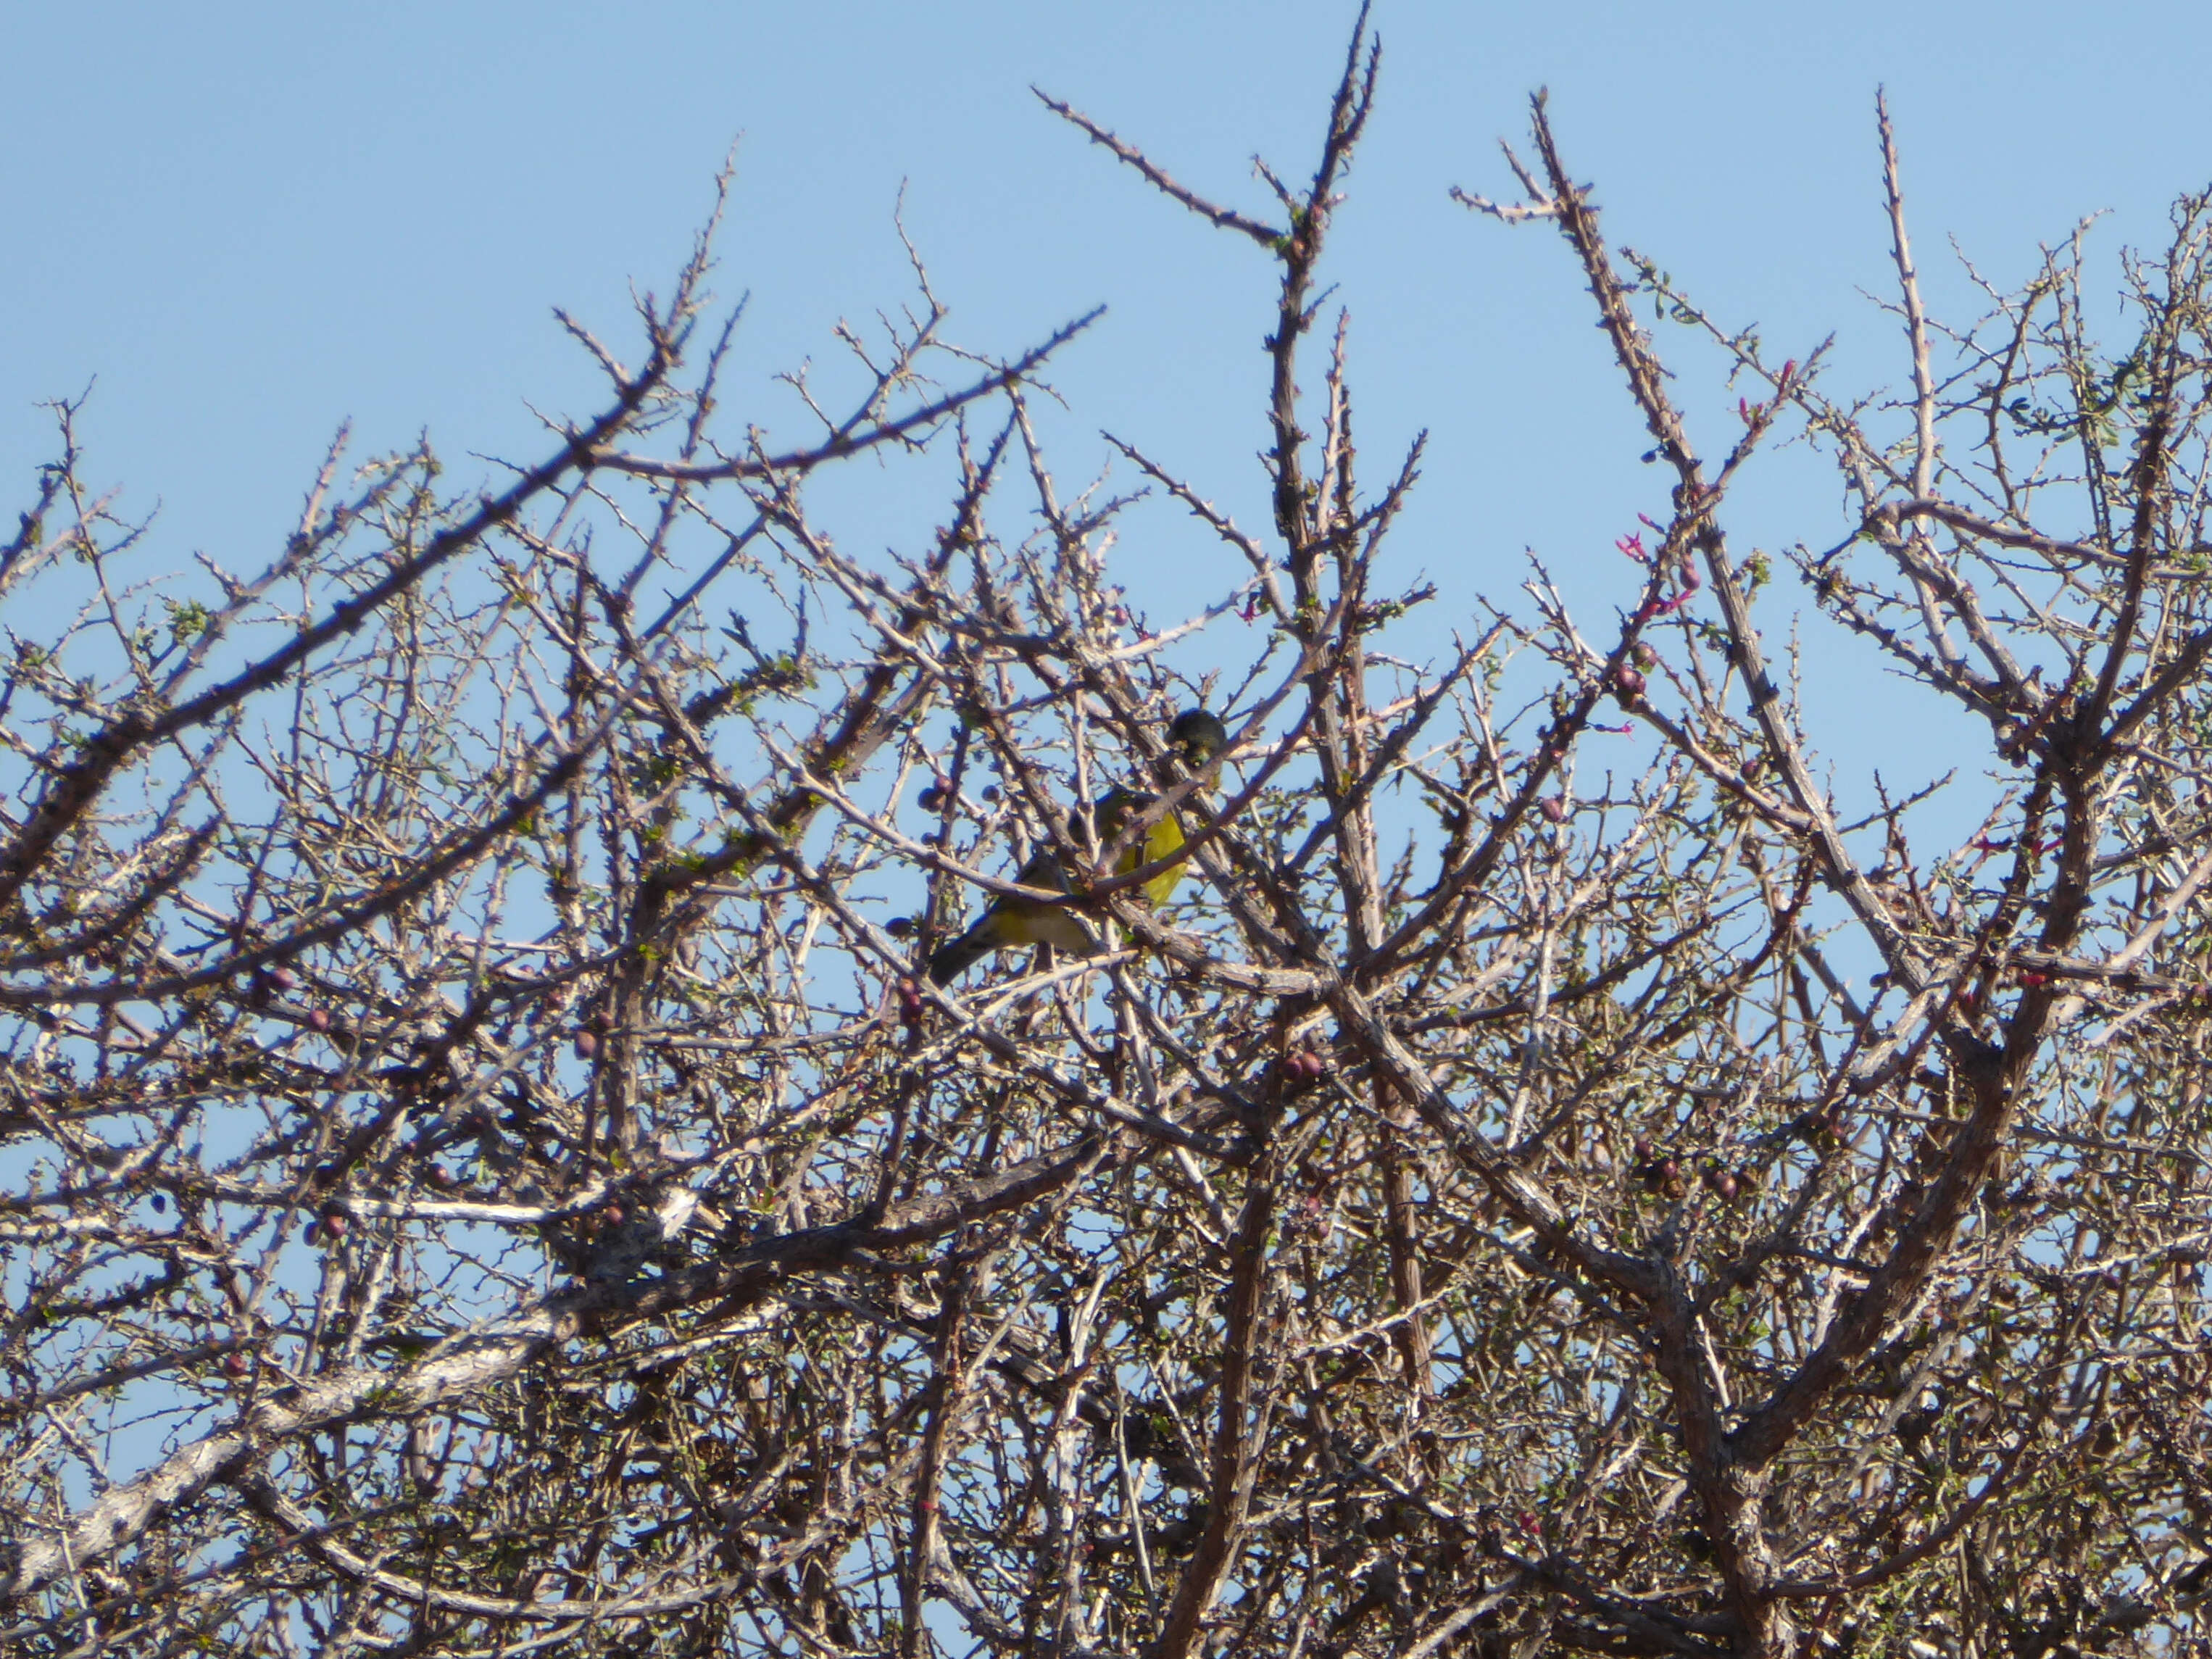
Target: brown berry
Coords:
[(319, 1021), (587, 1044), (1628, 682), (910, 1006), (1554, 809), (335, 1224), (235, 1364), (282, 979)]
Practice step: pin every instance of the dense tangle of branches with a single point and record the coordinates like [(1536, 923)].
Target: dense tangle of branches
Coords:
[(486, 1172)]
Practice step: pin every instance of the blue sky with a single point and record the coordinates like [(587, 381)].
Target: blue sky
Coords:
[(251, 222)]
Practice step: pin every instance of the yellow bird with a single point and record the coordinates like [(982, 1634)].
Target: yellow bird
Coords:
[(1197, 736)]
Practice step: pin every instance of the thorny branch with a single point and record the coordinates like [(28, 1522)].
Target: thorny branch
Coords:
[(1542, 1163)]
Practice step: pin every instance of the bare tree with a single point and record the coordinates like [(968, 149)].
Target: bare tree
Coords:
[(489, 1172)]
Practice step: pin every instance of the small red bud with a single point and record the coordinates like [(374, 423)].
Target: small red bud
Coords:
[(334, 1223), (587, 1044), (2028, 977), (1554, 809), (319, 1021), (235, 1364), (615, 1215)]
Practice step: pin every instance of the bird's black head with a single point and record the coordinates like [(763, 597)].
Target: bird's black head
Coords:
[(1198, 735)]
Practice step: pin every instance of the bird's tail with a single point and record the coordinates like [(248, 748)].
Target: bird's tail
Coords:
[(951, 960)]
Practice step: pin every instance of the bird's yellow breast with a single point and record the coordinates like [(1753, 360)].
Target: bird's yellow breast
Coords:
[(1163, 840)]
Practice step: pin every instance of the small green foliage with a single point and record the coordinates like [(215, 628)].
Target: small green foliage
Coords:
[(188, 619)]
